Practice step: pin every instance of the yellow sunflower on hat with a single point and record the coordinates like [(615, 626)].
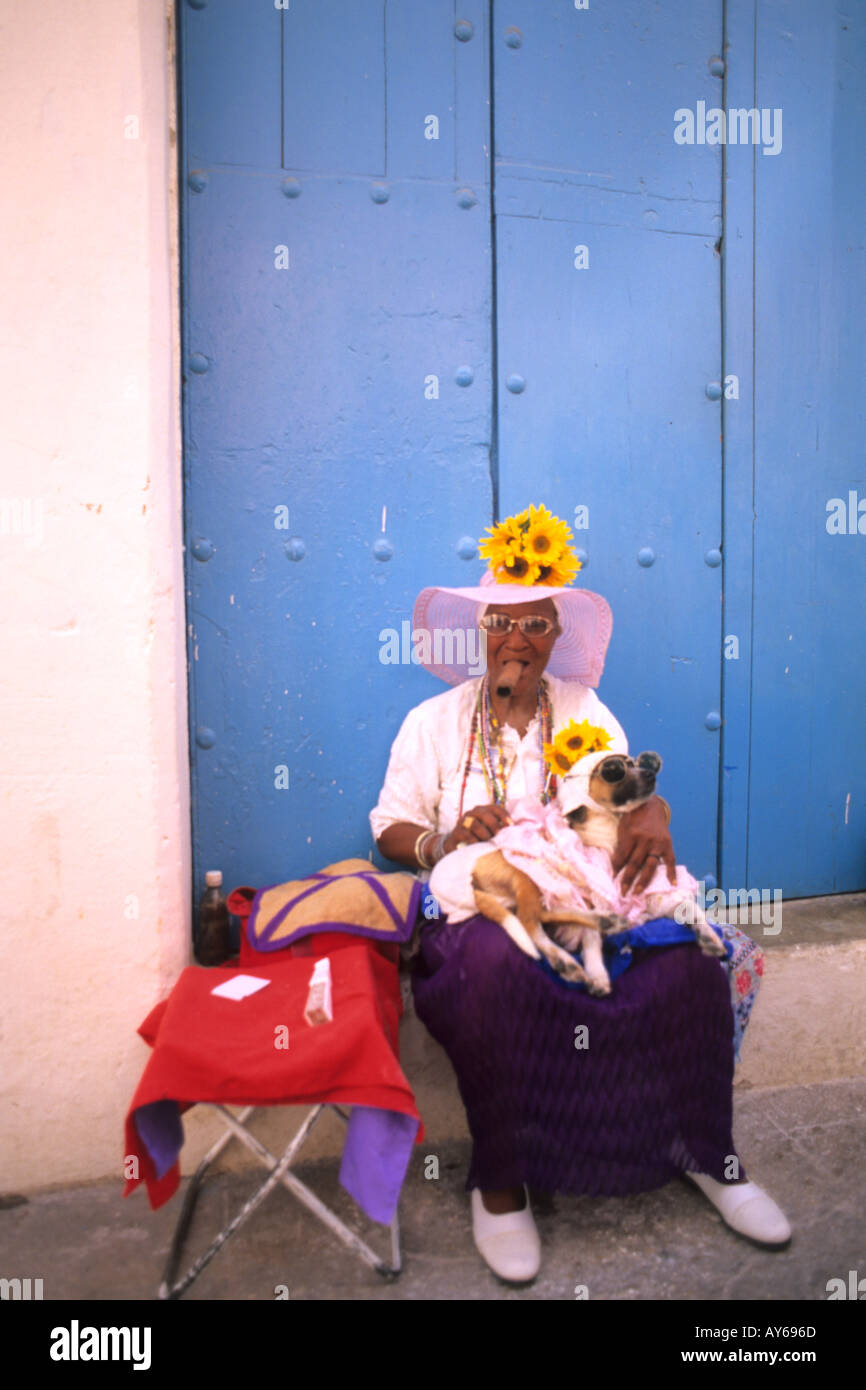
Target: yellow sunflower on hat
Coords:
[(532, 547)]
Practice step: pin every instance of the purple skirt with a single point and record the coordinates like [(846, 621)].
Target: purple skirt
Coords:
[(573, 1094)]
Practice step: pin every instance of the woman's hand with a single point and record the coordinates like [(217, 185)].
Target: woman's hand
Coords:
[(397, 842), (643, 841), (481, 823)]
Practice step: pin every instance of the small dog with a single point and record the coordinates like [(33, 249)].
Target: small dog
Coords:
[(510, 897), (618, 784)]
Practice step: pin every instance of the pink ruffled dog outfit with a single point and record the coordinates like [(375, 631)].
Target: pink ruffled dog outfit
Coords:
[(568, 873)]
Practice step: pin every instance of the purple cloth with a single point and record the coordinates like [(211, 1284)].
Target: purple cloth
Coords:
[(648, 1096), (160, 1129), (375, 1155), (375, 1158)]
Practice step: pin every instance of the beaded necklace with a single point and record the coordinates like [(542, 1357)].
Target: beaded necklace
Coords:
[(486, 731)]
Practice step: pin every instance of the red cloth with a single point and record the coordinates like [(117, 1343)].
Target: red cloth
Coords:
[(212, 1049)]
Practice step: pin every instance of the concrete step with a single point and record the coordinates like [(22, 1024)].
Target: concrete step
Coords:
[(809, 1019)]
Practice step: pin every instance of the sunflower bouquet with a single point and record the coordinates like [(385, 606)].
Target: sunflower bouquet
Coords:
[(570, 744), (531, 547)]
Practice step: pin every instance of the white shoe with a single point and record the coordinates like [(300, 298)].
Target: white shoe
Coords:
[(747, 1209), (509, 1243)]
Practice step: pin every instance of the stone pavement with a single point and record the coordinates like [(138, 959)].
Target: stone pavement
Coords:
[(805, 1144)]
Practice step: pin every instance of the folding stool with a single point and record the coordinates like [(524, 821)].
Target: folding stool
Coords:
[(172, 1288)]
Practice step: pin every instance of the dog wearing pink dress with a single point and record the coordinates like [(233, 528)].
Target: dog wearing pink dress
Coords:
[(565, 847)]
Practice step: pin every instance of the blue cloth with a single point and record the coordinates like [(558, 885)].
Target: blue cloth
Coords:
[(617, 948)]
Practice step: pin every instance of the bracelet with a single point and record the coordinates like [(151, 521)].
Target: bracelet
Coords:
[(419, 848), (429, 837), (667, 809), (439, 848)]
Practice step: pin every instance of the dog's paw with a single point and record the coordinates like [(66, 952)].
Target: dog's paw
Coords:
[(599, 986), (712, 945), (613, 923), (570, 971)]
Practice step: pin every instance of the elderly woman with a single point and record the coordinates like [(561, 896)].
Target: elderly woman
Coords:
[(563, 1091)]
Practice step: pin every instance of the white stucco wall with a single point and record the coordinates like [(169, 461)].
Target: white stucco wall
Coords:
[(94, 814)]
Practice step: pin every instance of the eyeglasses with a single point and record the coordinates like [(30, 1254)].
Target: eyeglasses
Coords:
[(531, 625)]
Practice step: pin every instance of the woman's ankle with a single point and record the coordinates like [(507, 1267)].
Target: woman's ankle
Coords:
[(502, 1200)]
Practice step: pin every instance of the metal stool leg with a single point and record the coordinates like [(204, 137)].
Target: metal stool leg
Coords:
[(190, 1199), (169, 1289), (249, 1207), (314, 1203)]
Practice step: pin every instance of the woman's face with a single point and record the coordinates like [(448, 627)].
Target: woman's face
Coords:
[(533, 653)]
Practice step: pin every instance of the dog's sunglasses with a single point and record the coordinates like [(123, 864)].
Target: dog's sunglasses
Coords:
[(531, 624), (614, 769)]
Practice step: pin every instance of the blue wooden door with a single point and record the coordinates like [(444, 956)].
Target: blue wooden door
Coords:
[(439, 265), (337, 330), (794, 767), (609, 350)]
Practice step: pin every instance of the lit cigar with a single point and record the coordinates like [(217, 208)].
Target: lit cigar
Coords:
[(511, 673)]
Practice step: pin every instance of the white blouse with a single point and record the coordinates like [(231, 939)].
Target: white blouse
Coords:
[(428, 756)]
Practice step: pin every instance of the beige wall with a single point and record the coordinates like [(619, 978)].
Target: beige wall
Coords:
[(94, 815)]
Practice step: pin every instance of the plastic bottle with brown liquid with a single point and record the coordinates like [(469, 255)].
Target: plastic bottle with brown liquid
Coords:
[(213, 943)]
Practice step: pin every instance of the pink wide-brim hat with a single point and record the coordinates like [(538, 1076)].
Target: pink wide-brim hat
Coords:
[(578, 653)]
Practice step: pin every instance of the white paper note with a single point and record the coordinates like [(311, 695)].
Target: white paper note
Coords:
[(239, 986)]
